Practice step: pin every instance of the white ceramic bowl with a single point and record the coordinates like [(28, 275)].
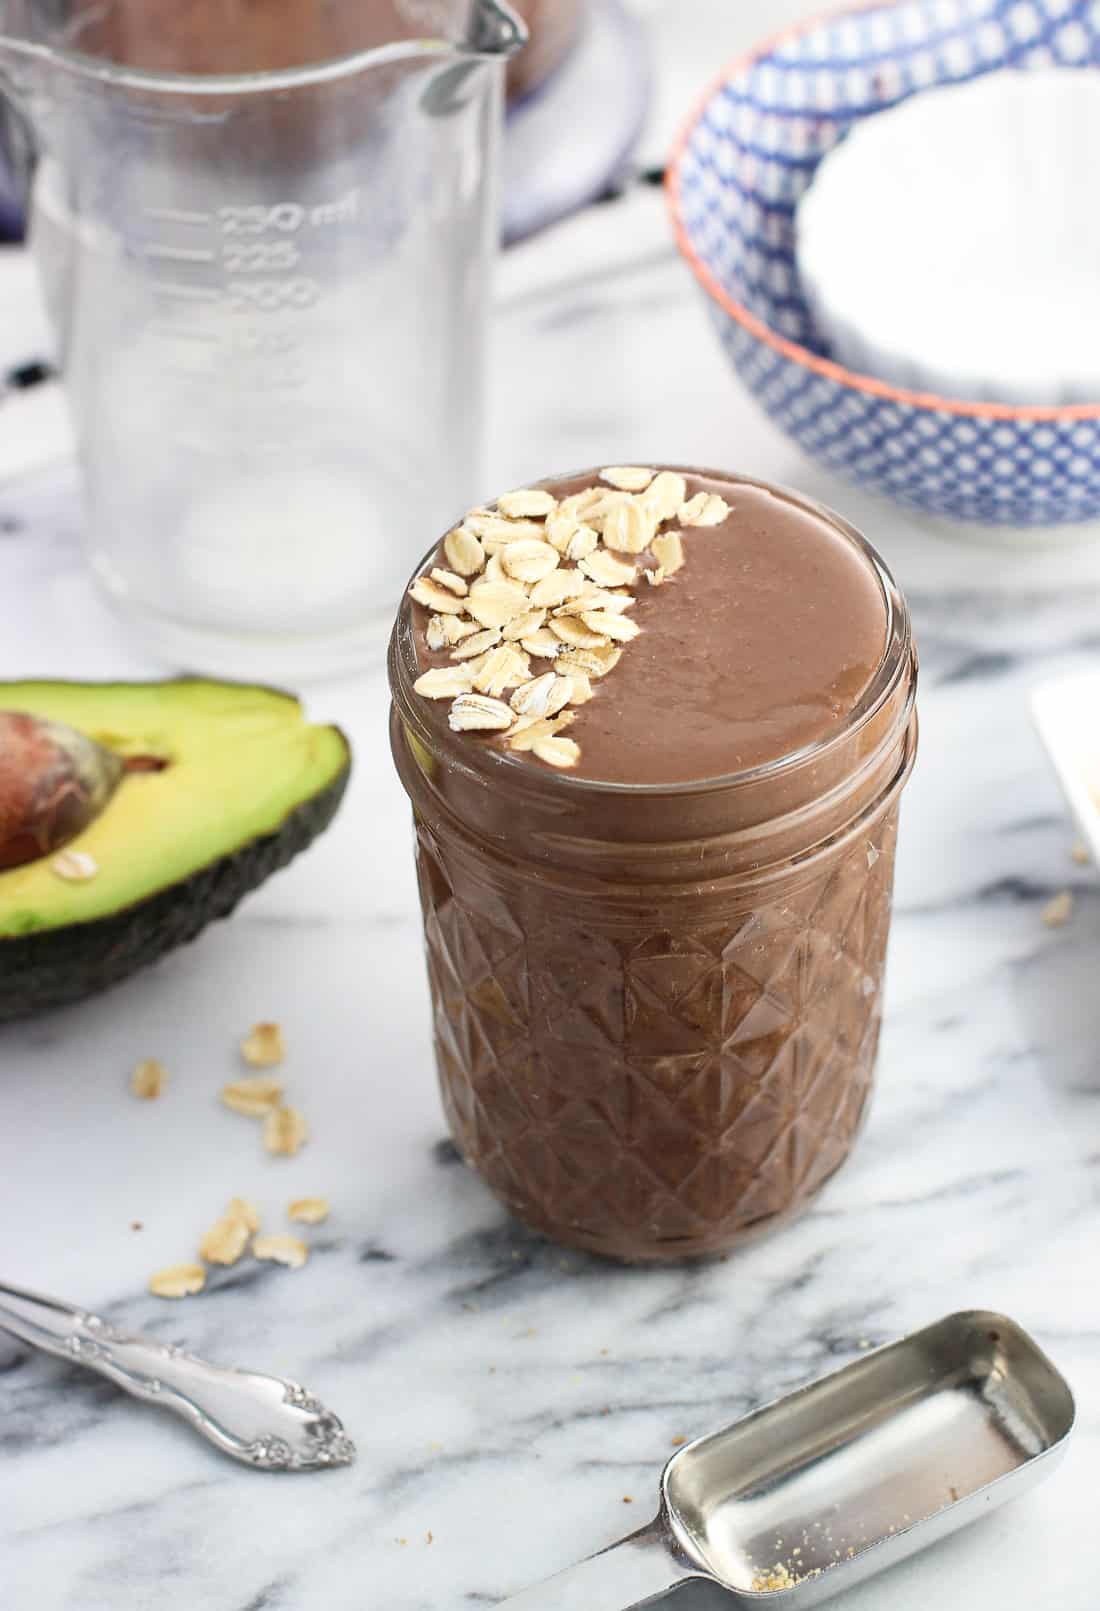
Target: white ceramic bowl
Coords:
[(745, 158), (952, 243)]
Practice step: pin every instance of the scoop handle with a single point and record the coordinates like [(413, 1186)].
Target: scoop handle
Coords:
[(631, 1573)]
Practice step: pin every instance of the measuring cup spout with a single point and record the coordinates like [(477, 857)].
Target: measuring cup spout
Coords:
[(23, 64), (495, 30)]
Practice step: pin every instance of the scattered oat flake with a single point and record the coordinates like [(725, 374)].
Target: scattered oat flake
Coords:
[(556, 588), (609, 571), (581, 688), (542, 696), (530, 561), (628, 1499), (523, 626), (555, 751), (581, 504), (502, 668), (582, 543), (263, 1046), (705, 509), (610, 624), (542, 644), (309, 1210), (281, 1249), (593, 662), (74, 866), (435, 635), (529, 730), (1080, 853), (527, 501), (627, 477), (678, 1443), (455, 628), (496, 529), (573, 631), (665, 493), (474, 713), (463, 552), (244, 1209), (629, 527), (559, 530), (494, 604), (668, 551), (254, 1095), (434, 597), (285, 1132), (177, 1281), (575, 606), (148, 1079), (451, 581), (473, 647), (1058, 910), (597, 598), (655, 577), (445, 682), (225, 1241)]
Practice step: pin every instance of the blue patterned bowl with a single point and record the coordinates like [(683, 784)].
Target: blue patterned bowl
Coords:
[(744, 159)]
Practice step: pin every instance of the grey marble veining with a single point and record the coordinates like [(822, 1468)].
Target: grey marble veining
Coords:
[(514, 1403)]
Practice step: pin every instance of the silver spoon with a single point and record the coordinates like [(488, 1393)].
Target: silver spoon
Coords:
[(263, 1421)]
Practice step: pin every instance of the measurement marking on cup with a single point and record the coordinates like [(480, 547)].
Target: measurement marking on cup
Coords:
[(341, 211), (193, 293), (178, 332), (181, 254), (178, 215)]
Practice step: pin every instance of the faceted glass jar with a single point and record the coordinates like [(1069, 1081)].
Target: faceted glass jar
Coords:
[(656, 1008)]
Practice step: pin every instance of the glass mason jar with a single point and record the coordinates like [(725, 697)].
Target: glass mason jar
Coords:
[(656, 1007)]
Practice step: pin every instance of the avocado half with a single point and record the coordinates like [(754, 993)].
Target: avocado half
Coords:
[(232, 782)]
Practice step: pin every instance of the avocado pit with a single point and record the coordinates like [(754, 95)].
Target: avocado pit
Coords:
[(54, 781)]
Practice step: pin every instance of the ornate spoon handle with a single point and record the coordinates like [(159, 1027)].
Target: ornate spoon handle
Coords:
[(261, 1420)]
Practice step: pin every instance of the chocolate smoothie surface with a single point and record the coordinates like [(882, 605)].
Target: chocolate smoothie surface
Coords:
[(255, 36), (760, 644)]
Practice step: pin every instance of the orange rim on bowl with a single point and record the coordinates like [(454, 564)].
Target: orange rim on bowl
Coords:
[(794, 350)]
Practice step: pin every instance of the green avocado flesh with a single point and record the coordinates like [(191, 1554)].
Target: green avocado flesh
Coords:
[(246, 783)]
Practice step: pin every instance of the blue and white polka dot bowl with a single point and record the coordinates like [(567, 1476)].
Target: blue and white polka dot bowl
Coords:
[(742, 162)]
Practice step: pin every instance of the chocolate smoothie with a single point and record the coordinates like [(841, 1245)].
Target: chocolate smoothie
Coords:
[(654, 726), (262, 36)]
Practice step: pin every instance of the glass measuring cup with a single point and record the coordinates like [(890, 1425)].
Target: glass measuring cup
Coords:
[(264, 236)]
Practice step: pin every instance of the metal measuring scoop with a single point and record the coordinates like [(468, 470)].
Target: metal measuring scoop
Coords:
[(263, 1421), (841, 1479)]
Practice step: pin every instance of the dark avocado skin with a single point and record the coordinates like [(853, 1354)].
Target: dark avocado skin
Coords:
[(60, 966)]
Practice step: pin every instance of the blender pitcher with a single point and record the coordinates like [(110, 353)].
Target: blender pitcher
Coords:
[(264, 234)]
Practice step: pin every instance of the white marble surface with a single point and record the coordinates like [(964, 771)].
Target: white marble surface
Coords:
[(507, 1397)]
